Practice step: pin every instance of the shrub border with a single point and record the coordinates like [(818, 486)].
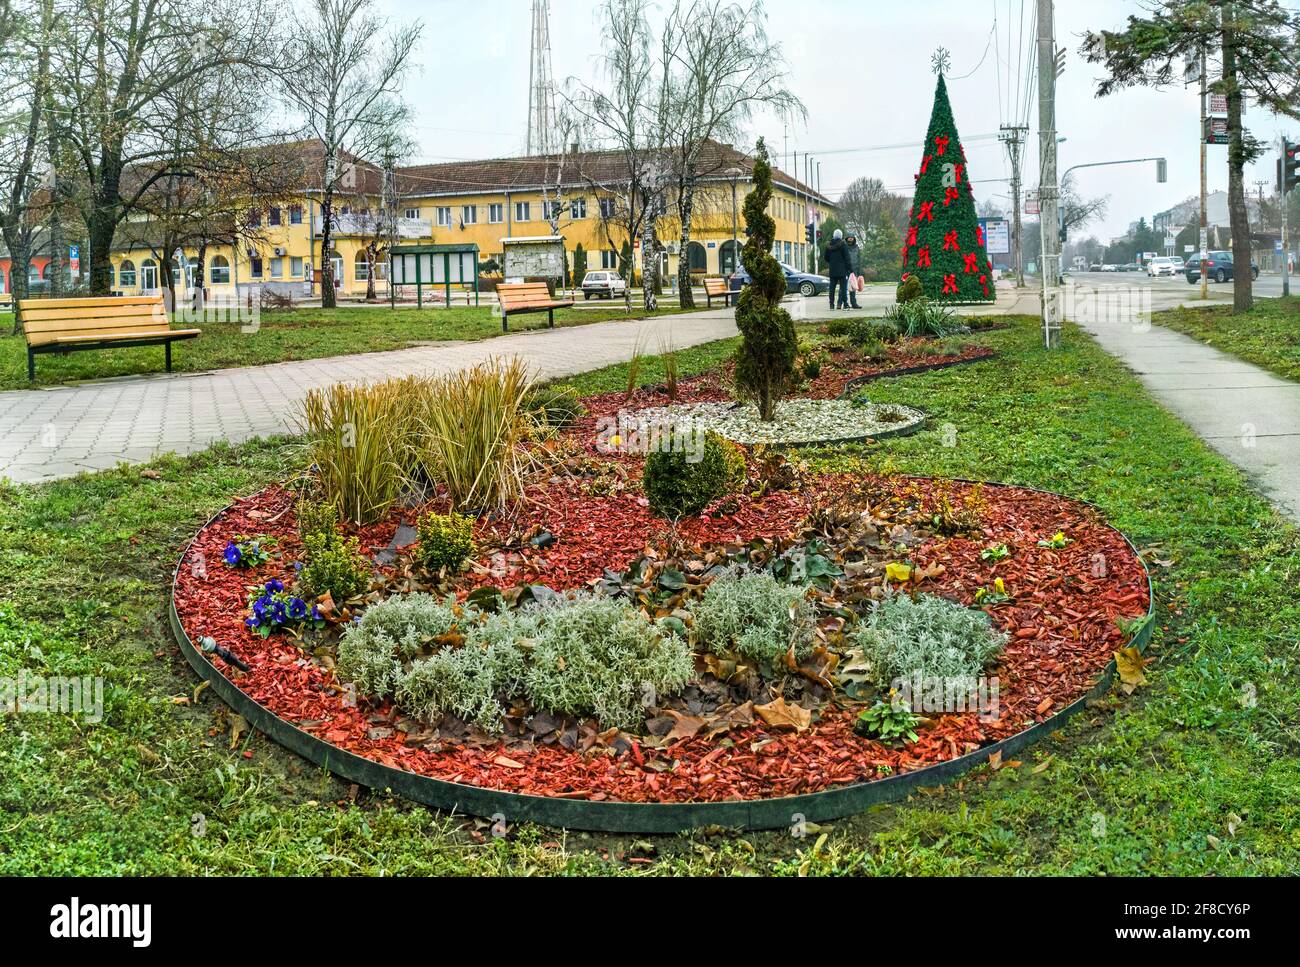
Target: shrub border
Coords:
[(854, 383), (625, 817)]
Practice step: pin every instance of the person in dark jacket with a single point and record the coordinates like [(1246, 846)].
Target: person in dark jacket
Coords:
[(855, 267), (837, 267)]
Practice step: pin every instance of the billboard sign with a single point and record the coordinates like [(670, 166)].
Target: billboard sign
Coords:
[(997, 235)]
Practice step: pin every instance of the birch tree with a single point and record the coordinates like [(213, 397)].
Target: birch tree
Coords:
[(350, 64), (724, 68)]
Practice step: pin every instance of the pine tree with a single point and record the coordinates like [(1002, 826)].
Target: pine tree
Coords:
[(944, 246), (765, 359)]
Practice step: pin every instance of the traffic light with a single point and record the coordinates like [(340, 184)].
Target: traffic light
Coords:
[(1288, 167), (808, 233)]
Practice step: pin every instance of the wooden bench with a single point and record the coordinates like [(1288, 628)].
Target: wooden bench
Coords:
[(713, 288), (521, 297), (70, 325)]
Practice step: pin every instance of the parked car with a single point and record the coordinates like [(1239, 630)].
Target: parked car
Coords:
[(1219, 269), (1163, 266), (805, 283), (1096, 267), (607, 284), (1128, 267), (1108, 267)]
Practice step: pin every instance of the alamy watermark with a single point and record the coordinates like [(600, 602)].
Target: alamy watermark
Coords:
[(1119, 305), (933, 695), (53, 695), (633, 431)]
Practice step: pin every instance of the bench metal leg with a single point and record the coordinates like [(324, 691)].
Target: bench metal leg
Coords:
[(550, 318), (31, 366), (505, 326), (168, 348)]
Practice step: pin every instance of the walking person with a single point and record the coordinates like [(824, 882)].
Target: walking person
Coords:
[(837, 267), (855, 268)]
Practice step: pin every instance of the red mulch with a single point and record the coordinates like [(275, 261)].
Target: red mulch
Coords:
[(1061, 618)]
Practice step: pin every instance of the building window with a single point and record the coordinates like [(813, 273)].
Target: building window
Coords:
[(274, 214), (254, 218), (578, 208), (469, 214), (413, 213), (788, 252), (277, 268), (126, 274), (552, 210), (295, 214), (521, 212), (255, 267), (444, 215), (609, 259), (607, 208), (496, 214), (219, 271), (295, 267)]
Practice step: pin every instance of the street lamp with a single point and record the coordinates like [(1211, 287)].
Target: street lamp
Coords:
[(734, 173)]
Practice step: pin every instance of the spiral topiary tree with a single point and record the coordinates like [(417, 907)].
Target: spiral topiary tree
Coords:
[(765, 359)]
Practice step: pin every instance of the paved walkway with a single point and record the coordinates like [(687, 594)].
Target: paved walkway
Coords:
[(1246, 413), (64, 430)]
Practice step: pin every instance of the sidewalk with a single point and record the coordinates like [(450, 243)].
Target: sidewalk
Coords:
[(1245, 413), (61, 431)]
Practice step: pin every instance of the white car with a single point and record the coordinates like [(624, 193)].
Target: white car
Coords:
[(1164, 266), (607, 284)]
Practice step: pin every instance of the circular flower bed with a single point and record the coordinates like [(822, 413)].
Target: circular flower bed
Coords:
[(1056, 582), (797, 420)]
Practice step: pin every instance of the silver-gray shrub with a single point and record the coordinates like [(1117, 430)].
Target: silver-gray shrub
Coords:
[(373, 652), (753, 613), (904, 636), (597, 656)]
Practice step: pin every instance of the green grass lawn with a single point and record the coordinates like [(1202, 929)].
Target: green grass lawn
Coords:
[(283, 335), (1194, 774), (1268, 335)]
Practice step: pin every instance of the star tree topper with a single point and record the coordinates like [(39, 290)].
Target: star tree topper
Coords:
[(940, 61)]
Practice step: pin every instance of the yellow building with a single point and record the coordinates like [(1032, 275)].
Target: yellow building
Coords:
[(577, 194)]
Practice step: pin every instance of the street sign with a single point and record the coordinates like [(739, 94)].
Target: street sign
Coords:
[(74, 260), (1216, 130), (1031, 201), (1189, 248), (1218, 105)]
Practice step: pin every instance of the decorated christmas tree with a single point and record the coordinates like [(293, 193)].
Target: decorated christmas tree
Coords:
[(944, 245)]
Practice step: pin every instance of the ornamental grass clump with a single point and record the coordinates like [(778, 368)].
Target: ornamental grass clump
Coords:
[(472, 426), (905, 636), (753, 614), (595, 656), (353, 441), (923, 318), (765, 361)]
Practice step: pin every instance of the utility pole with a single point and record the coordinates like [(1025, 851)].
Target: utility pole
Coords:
[(1048, 218), (1205, 221), (1013, 136)]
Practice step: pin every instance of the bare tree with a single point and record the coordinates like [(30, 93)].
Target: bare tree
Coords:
[(24, 81), (624, 115), (723, 68), (112, 67), (350, 66), (866, 203)]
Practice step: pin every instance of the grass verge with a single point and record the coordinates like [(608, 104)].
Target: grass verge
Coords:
[(1194, 774), (1268, 335), (287, 334)]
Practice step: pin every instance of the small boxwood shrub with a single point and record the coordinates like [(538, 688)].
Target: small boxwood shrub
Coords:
[(910, 288), (597, 656), (559, 406), (678, 486), (754, 614), (316, 517), (906, 635), (332, 564), (445, 541)]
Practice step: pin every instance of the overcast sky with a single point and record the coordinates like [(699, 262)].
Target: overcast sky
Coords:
[(863, 70)]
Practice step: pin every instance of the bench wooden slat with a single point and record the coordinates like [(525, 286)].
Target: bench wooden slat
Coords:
[(715, 286), (93, 302), (153, 334)]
